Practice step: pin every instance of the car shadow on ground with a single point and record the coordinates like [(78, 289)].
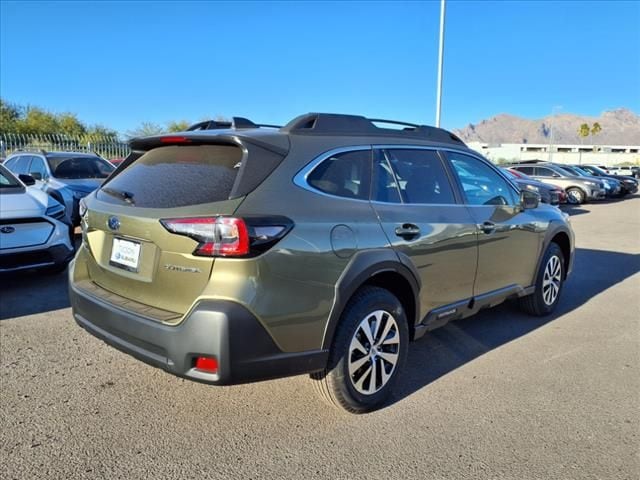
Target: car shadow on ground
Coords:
[(573, 209), (32, 292), (450, 347)]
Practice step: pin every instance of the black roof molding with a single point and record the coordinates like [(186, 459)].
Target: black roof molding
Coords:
[(340, 124)]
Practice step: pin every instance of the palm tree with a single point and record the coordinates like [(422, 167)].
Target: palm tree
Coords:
[(584, 131)]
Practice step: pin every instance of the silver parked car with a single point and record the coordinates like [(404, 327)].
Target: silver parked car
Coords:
[(579, 189), (32, 233), (66, 176)]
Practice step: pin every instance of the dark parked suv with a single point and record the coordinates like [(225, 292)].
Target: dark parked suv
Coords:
[(236, 252)]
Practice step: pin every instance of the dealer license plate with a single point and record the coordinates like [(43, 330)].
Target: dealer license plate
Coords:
[(125, 254)]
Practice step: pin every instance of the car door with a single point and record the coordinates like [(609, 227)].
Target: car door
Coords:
[(426, 223), (509, 238)]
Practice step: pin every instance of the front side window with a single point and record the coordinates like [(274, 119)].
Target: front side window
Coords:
[(344, 175), (7, 180), (19, 165), (481, 184), (545, 172), (37, 170), (420, 176)]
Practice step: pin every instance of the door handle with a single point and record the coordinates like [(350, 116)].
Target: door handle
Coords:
[(407, 230), (488, 227)]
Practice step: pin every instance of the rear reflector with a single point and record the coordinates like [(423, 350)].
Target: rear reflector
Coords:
[(207, 364)]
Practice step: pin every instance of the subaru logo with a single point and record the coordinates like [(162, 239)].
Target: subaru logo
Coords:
[(7, 229), (113, 223)]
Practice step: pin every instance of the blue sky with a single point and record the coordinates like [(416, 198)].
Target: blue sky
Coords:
[(122, 63)]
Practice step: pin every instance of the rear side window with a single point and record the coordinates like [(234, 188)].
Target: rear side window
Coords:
[(344, 175), (421, 176), (176, 176)]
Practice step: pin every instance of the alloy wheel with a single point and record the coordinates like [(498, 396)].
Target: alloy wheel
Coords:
[(551, 280), (574, 197), (373, 352)]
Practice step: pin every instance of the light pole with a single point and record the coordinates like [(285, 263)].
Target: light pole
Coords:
[(440, 61)]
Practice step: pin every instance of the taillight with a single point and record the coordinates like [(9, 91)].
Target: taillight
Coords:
[(230, 236), (218, 236)]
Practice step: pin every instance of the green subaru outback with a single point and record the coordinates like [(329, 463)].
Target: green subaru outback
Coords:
[(237, 252)]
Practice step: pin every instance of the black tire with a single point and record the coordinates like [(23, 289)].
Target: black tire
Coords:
[(576, 196), (335, 384), (537, 303)]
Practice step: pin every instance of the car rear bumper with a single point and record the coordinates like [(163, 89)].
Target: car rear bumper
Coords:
[(214, 328)]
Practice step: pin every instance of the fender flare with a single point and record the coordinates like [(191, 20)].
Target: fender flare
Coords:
[(556, 227), (362, 266)]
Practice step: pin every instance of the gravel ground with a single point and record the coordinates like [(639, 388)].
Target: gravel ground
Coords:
[(499, 395)]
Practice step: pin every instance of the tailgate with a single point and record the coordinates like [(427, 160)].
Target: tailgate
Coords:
[(131, 253)]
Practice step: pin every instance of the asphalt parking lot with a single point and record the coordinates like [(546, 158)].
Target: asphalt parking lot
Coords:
[(500, 395)]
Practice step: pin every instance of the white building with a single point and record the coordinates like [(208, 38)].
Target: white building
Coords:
[(573, 154)]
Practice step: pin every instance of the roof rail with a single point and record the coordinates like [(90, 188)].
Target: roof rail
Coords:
[(31, 150), (340, 124), (236, 123), (533, 161)]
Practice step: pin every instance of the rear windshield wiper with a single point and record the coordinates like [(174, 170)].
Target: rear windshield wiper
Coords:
[(121, 194)]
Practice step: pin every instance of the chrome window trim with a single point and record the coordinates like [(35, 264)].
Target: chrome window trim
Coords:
[(300, 179)]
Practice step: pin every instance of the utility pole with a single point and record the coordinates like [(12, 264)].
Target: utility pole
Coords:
[(440, 61)]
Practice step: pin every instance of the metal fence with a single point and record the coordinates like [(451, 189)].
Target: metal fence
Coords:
[(105, 146)]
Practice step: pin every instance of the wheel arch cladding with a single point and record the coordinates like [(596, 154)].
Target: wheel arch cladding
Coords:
[(386, 272), (562, 240), (400, 287)]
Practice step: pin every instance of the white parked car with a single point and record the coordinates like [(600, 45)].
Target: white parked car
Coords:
[(626, 171), (32, 234)]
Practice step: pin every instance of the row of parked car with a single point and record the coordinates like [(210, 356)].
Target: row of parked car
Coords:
[(573, 184), (42, 192)]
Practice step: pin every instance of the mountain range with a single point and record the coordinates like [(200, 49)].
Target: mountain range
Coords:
[(619, 127)]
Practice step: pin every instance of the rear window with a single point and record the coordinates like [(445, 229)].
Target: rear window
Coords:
[(176, 176), (79, 167)]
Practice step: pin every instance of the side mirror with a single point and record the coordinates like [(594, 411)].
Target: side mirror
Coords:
[(36, 175), (529, 199), (555, 175), (28, 180)]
